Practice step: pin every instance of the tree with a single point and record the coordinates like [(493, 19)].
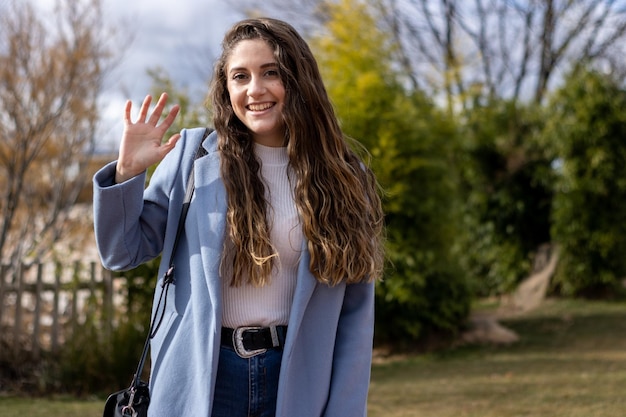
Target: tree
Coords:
[(586, 134), (410, 140), (492, 63), (503, 48), (507, 189), (51, 73)]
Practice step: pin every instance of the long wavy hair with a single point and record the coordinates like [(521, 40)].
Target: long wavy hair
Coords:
[(336, 194)]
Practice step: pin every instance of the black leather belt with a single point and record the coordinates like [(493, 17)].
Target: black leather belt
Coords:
[(251, 340)]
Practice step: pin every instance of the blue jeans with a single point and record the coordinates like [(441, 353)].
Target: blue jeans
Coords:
[(246, 387)]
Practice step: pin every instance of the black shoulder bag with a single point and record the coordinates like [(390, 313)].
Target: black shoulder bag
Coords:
[(134, 400)]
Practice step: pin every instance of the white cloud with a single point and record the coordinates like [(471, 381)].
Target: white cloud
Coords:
[(167, 33)]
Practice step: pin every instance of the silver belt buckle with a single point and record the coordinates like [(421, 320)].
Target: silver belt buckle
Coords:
[(238, 342)]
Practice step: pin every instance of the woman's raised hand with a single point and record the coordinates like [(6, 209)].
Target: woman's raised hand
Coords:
[(141, 144)]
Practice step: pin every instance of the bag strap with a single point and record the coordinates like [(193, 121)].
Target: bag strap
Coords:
[(168, 277), (169, 274)]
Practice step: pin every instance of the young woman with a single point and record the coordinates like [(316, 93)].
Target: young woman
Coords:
[(271, 312)]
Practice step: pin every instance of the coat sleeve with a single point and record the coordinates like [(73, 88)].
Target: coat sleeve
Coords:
[(129, 222), (352, 358), (117, 209)]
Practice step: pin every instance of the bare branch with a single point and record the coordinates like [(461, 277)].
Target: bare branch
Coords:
[(50, 79)]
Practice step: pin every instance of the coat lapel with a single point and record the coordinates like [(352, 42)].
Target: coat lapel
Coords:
[(210, 200), (305, 286)]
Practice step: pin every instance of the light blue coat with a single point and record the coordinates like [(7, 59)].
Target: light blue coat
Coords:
[(326, 362)]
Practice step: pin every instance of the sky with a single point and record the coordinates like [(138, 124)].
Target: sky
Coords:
[(181, 36)]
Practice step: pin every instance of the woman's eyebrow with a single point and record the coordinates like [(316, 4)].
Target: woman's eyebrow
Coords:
[(264, 66)]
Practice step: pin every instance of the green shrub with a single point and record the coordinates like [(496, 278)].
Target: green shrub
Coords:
[(586, 131)]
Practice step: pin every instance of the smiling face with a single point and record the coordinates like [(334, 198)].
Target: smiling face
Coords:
[(256, 91)]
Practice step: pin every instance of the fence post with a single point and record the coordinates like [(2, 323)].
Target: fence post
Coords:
[(57, 317), (74, 316), (107, 303), (93, 298), (37, 315), (58, 270), (19, 275)]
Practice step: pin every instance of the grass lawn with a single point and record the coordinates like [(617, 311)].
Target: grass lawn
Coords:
[(570, 362), (54, 407)]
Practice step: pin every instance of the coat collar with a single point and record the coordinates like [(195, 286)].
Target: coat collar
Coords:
[(210, 143)]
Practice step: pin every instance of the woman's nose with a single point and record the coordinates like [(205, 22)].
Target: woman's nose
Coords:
[(256, 86)]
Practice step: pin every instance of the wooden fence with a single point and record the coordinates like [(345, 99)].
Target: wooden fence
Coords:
[(41, 305)]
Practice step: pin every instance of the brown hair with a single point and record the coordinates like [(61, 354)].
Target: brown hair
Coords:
[(335, 193)]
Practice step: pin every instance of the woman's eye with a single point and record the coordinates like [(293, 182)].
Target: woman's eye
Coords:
[(239, 76), (272, 73)]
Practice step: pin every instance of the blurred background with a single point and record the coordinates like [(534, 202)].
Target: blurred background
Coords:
[(496, 129)]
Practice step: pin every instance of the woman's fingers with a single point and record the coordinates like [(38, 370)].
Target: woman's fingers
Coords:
[(158, 110), (127, 108), (156, 113), (145, 106), (169, 145), (171, 116)]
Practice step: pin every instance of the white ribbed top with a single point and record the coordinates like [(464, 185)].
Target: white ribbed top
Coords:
[(248, 305)]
